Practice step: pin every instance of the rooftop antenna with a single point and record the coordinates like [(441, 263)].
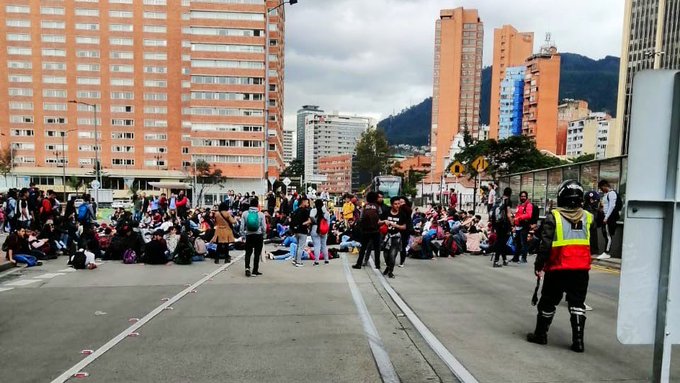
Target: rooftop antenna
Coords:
[(549, 46)]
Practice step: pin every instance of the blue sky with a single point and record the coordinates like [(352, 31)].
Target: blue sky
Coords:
[(370, 57)]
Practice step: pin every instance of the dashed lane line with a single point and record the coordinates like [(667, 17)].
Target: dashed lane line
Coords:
[(22, 282), (77, 368)]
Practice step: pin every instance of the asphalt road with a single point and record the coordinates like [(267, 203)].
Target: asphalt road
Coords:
[(299, 325)]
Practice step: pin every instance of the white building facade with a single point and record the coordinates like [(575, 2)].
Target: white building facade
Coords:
[(330, 135), (288, 146), (589, 135)]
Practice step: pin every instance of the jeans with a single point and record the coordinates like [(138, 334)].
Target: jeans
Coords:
[(521, 243), (289, 241), (25, 258), (374, 240), (301, 242), (254, 243), (391, 253), (502, 237), (320, 247)]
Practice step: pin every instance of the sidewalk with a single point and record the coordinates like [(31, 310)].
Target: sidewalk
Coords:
[(612, 263)]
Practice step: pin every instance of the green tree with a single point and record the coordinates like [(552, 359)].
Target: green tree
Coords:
[(295, 169), (372, 153), (583, 158), (75, 183), (205, 175), (410, 179), (506, 156), (6, 165)]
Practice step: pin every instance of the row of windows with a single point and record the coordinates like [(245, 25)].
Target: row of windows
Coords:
[(223, 112), (223, 159), (53, 24), (226, 143), (227, 48), (225, 96), (205, 63), (24, 51), (207, 127)]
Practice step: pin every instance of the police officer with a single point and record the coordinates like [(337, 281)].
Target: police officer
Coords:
[(564, 260)]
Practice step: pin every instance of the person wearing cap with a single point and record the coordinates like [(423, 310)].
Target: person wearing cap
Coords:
[(563, 261), (156, 251)]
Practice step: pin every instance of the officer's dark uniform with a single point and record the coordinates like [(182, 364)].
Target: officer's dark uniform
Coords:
[(564, 255)]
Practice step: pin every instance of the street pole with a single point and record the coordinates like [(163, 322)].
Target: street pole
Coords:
[(96, 158), (63, 165)]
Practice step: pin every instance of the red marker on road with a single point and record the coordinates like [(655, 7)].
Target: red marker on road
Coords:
[(86, 352), (80, 375), (165, 299), (133, 334), (133, 320)]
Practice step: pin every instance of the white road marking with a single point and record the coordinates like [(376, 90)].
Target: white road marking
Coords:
[(22, 282), (69, 270), (451, 362), (382, 359), (68, 374), (3, 289), (48, 275)]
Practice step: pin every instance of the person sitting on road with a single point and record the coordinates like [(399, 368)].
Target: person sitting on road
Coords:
[(184, 251), (156, 251), (17, 248)]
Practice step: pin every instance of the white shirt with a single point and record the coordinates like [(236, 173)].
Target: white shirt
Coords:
[(492, 196)]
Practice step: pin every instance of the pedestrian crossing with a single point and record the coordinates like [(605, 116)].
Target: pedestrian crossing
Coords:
[(32, 280)]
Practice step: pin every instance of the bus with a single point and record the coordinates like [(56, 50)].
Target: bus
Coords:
[(390, 186)]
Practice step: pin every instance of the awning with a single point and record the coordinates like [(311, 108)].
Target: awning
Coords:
[(170, 185)]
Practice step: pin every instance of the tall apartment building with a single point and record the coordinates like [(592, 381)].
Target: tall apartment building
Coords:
[(651, 40), (541, 93), (459, 37), (569, 110), (302, 114), (288, 146), (331, 135), (588, 135), (173, 81), (510, 103), (511, 49)]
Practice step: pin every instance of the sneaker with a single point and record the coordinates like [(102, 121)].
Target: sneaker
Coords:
[(299, 264), (496, 264), (39, 263), (505, 263), (588, 308), (317, 263), (247, 272), (358, 267), (523, 260), (326, 262), (256, 273), (603, 256), (402, 265), (390, 275)]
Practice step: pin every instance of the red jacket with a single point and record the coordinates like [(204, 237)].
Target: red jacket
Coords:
[(523, 213), (182, 202)]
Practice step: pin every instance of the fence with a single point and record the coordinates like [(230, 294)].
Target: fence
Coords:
[(541, 185)]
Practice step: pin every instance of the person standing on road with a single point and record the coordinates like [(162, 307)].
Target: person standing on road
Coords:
[(320, 227), (592, 206), (406, 210), (224, 232), (453, 199), (491, 200), (563, 260), (253, 227), (299, 224), (522, 223), (612, 210), (501, 216), (396, 227), (369, 224)]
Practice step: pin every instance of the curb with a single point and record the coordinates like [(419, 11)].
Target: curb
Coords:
[(612, 263), (5, 266)]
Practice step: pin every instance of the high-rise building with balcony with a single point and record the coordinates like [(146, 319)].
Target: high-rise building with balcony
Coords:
[(510, 103), (288, 146), (541, 97), (173, 81), (459, 37), (651, 40), (511, 49)]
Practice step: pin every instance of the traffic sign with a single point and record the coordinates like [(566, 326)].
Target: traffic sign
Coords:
[(480, 164), (286, 181), (95, 184), (457, 169)]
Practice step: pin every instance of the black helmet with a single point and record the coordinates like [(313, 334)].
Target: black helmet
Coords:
[(570, 194)]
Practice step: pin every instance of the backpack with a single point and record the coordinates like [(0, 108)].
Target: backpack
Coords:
[(252, 221), (323, 226), (499, 213), (82, 213), (77, 260), (199, 246), (129, 257), (535, 213), (368, 221), (619, 203)]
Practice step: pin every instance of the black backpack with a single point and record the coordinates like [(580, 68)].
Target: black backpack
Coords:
[(535, 213), (499, 214), (77, 260), (619, 203)]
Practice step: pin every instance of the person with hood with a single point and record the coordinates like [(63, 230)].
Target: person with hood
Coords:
[(253, 227), (563, 260)]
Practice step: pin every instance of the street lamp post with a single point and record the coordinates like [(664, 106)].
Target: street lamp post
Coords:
[(63, 160), (265, 167), (97, 165)]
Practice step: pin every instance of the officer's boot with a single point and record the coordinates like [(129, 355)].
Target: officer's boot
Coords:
[(578, 322), (540, 334)]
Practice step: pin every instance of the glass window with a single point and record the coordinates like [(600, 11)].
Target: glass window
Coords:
[(540, 189), (571, 172), (610, 170), (554, 181), (590, 175), (527, 184), (514, 185)]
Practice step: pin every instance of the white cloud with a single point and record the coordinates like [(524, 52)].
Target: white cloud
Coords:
[(372, 57)]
